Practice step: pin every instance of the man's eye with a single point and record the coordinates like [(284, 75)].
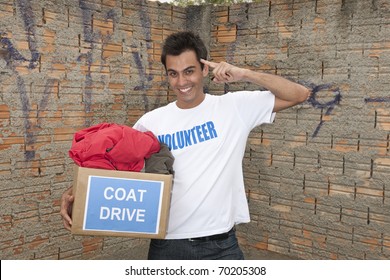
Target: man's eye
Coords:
[(189, 72), (172, 74)]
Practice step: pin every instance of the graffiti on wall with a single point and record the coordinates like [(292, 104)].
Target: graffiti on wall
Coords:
[(139, 50), (327, 106), (376, 99), (140, 62), (315, 99), (14, 57), (89, 38)]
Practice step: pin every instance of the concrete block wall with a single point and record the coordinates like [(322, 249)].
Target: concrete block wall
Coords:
[(317, 179), (66, 65)]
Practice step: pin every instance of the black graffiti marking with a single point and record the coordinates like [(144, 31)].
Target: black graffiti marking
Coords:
[(26, 11), (12, 57), (46, 94), (88, 37), (13, 54), (141, 71), (26, 108), (329, 106), (145, 78), (377, 99), (29, 25)]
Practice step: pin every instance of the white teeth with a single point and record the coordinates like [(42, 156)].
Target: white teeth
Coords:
[(185, 89)]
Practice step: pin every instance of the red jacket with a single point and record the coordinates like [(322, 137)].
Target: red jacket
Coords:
[(113, 146)]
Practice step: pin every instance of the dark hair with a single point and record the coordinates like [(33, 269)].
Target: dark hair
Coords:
[(179, 42)]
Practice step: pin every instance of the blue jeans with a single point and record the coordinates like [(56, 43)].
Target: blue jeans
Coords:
[(185, 249)]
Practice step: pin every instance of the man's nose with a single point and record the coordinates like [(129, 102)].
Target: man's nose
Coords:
[(181, 80)]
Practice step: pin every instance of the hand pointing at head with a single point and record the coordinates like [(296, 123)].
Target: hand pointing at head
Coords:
[(224, 72)]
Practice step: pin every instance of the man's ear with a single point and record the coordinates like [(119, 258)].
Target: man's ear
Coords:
[(205, 70)]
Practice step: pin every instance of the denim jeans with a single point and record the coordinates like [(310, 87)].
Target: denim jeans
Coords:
[(184, 249)]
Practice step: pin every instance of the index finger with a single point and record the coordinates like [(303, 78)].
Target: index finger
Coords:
[(209, 63)]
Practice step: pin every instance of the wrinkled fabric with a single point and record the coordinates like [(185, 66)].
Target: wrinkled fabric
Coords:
[(161, 162), (113, 146)]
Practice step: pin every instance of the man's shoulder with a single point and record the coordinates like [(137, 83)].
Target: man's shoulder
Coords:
[(152, 117), (247, 93)]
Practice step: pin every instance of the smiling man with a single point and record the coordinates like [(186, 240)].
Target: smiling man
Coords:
[(186, 82), (207, 135)]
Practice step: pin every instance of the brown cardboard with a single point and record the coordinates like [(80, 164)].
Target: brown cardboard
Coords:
[(80, 186)]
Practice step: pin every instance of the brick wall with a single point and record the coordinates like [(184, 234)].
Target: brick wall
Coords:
[(317, 179), (65, 65)]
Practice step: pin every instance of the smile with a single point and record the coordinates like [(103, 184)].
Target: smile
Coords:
[(184, 90)]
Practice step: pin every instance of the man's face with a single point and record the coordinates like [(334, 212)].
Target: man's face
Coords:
[(185, 77)]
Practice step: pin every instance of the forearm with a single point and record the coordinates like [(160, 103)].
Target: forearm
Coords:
[(287, 93), (279, 86)]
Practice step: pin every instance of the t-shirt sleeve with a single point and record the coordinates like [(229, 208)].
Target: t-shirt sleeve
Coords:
[(139, 125), (254, 107)]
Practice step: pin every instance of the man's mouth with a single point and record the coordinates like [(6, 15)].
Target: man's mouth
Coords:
[(184, 90)]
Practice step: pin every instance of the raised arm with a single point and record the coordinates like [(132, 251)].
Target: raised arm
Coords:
[(287, 93)]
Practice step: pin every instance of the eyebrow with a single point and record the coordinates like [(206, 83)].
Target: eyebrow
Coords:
[(188, 68)]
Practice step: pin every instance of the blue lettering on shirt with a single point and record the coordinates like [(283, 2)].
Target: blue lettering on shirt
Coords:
[(189, 137)]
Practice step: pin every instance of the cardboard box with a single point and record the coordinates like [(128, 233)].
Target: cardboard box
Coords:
[(120, 203)]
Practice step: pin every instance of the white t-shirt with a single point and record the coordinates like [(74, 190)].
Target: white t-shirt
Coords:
[(208, 143)]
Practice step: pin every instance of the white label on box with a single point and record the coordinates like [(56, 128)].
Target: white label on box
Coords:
[(123, 205)]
